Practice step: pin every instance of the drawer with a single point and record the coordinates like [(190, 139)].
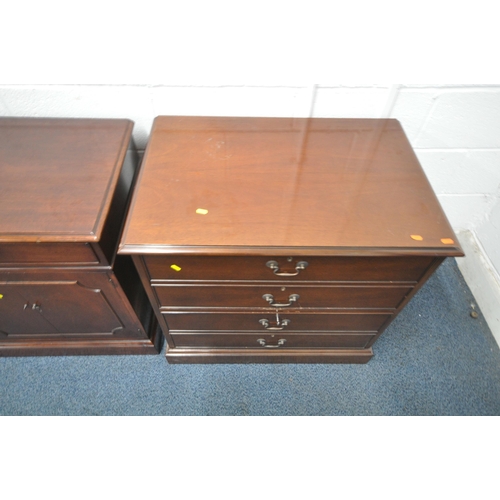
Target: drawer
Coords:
[(278, 341), (267, 322), (40, 254), (292, 297), (213, 268)]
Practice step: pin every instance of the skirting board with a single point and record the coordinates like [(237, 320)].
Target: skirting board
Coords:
[(482, 278)]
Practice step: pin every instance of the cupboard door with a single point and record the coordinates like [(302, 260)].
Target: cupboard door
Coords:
[(16, 317), (55, 307)]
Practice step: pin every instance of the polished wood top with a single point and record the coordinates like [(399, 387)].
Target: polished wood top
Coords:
[(265, 185), (57, 176)]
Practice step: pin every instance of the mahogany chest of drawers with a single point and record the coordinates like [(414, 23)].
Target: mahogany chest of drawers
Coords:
[(279, 239), (64, 190)]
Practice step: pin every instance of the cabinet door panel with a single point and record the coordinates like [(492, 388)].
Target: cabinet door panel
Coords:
[(16, 316), (75, 308), (57, 307)]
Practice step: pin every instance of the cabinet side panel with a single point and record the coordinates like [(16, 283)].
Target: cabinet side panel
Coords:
[(131, 285), (144, 277), (428, 273), (121, 197)]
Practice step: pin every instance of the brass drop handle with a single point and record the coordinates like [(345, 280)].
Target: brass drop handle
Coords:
[(291, 299), (272, 264), (280, 323), (262, 342)]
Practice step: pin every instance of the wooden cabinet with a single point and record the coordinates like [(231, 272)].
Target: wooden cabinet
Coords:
[(281, 240), (63, 197)]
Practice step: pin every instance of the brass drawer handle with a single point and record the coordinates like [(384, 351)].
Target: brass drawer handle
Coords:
[(291, 299), (262, 342), (280, 324), (272, 264)]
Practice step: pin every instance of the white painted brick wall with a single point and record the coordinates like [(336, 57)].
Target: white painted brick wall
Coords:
[(350, 102), (462, 171), (83, 101), (467, 118), (230, 101), (488, 234), (455, 129), (456, 117)]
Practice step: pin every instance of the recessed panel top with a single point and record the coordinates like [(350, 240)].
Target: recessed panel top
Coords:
[(57, 176), (222, 184)]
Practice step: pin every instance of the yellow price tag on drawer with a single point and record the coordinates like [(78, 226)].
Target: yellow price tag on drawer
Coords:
[(1, 296), (175, 267)]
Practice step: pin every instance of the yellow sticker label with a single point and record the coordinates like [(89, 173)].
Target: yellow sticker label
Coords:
[(416, 237), (1, 296), (202, 211), (175, 267), (447, 241)]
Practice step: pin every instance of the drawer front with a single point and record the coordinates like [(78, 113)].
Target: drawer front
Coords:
[(290, 297), (39, 254), (267, 322), (182, 267), (267, 341)]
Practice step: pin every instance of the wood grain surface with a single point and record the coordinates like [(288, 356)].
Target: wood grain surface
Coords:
[(58, 176), (242, 185)]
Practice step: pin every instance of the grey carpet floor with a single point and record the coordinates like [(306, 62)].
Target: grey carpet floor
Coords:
[(434, 359)]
